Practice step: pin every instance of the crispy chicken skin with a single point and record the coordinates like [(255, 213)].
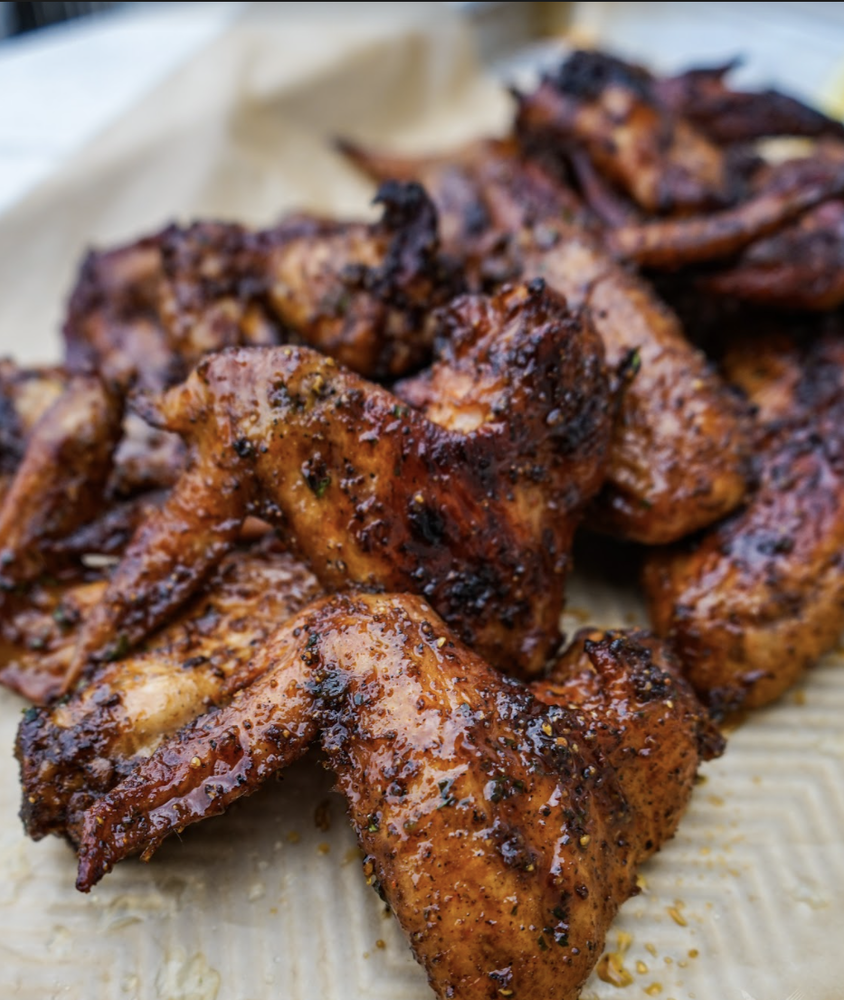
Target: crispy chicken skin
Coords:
[(60, 483), (703, 97), (755, 601), (464, 185), (503, 828), (611, 110), (800, 267), (113, 323), (679, 457), (668, 244), (473, 505), (146, 313), (680, 450), (80, 748), (364, 294)]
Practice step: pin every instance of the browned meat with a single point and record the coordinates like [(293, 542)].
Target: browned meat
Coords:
[(60, 484), (113, 324), (726, 116), (25, 394), (482, 192), (676, 243), (473, 505), (679, 458), (755, 601), (680, 450), (800, 267), (612, 110), (478, 804), (146, 314), (80, 748)]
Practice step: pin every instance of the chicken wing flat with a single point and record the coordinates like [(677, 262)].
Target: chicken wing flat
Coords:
[(680, 451), (703, 97), (473, 505), (145, 314), (800, 267), (502, 827), (752, 603), (80, 748), (611, 109)]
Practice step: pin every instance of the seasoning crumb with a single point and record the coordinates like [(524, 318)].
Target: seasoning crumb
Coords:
[(654, 989), (293, 837), (441, 642), (651, 949), (195, 762), (642, 882), (641, 968), (584, 840), (324, 848), (625, 939), (693, 953), (611, 970), (677, 916), (380, 944)]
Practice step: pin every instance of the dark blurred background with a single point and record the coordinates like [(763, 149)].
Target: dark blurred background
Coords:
[(18, 18)]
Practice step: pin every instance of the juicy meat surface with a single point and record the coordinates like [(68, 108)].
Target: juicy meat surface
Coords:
[(611, 110), (472, 502), (703, 97), (680, 451), (144, 314), (502, 823), (753, 602), (679, 457), (75, 750), (61, 481)]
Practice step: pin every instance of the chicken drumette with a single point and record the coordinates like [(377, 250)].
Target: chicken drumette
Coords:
[(753, 602)]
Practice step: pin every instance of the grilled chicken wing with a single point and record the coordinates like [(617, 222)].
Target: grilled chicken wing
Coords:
[(25, 395), (680, 451), (464, 185), (703, 97), (82, 747), (679, 457), (755, 601), (612, 110), (473, 505), (146, 314), (60, 483), (503, 827), (673, 243)]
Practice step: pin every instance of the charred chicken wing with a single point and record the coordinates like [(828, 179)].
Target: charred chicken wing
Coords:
[(472, 502), (502, 823)]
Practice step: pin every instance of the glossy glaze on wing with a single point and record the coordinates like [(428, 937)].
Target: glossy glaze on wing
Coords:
[(502, 826), (478, 516), (680, 450), (78, 749), (755, 601)]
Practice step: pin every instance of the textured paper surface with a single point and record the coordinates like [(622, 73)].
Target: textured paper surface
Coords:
[(262, 903)]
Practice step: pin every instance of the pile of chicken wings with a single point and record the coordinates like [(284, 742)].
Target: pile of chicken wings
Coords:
[(319, 484)]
